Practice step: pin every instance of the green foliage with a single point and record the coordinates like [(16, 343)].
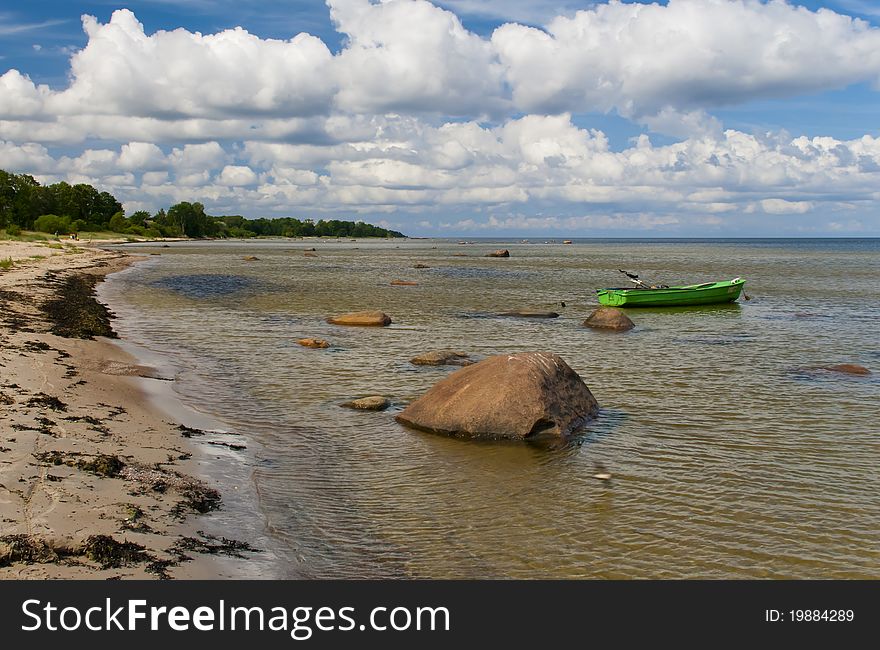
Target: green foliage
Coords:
[(64, 208), (52, 223), (118, 223), (6, 264)]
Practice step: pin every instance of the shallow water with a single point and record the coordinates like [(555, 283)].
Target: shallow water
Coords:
[(732, 455)]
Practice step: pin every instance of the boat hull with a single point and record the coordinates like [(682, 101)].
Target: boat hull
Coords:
[(709, 293)]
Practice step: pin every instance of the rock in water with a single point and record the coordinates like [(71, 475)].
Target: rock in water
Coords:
[(501, 252), (404, 283), (528, 313), (517, 396), (442, 358), (362, 318), (372, 403), (849, 369), (314, 343), (250, 258), (609, 318)]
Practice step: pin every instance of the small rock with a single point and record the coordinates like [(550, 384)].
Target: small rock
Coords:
[(567, 241), (310, 254), (372, 403), (442, 358), (525, 313), (421, 266), (312, 250), (250, 258), (609, 318), (362, 318), (848, 368), (501, 252), (404, 283), (459, 255), (314, 343)]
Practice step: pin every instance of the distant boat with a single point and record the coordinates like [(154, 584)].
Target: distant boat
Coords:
[(708, 293)]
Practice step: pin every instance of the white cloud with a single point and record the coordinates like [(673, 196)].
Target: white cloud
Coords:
[(237, 176), (662, 65), (416, 114)]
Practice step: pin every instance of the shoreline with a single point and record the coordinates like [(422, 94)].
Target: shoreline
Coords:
[(95, 481)]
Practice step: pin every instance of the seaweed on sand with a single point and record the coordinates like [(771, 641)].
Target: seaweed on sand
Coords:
[(75, 313)]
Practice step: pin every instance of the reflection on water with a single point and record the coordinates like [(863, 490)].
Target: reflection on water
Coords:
[(725, 462)]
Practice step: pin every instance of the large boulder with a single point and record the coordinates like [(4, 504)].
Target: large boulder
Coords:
[(362, 319), (501, 252), (609, 318), (442, 358), (516, 396)]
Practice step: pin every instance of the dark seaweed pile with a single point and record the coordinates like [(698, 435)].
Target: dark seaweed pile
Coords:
[(74, 312)]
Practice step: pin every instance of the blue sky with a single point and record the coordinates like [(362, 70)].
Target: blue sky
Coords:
[(681, 118)]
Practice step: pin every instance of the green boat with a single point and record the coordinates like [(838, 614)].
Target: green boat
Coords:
[(708, 293)]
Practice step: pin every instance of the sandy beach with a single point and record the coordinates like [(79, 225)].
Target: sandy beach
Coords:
[(94, 481)]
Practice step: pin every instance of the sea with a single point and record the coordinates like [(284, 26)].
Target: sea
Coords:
[(734, 453)]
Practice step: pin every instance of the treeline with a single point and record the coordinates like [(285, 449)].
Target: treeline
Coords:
[(63, 209)]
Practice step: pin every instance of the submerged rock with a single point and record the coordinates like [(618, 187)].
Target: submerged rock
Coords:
[(848, 368), (442, 358), (609, 318), (307, 254), (362, 319), (404, 283), (519, 396), (501, 252), (372, 403), (421, 266), (526, 313), (250, 258), (314, 343)]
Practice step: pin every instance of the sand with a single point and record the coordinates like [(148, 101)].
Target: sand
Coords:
[(94, 481)]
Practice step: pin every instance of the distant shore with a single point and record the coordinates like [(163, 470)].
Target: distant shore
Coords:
[(94, 482)]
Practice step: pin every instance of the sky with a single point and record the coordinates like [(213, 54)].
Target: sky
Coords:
[(452, 118)]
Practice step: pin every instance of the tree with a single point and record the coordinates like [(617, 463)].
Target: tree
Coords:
[(52, 223), (118, 223)]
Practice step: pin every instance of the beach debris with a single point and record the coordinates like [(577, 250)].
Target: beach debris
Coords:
[(42, 400), (372, 318), (111, 554), (501, 252), (442, 358), (609, 318), (528, 313), (404, 283), (848, 368), (371, 403), (74, 312), (525, 396), (314, 343)]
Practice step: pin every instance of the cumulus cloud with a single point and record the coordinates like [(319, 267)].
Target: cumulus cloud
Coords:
[(662, 65), (416, 113)]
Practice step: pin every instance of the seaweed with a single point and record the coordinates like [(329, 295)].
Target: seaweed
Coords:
[(75, 313), (43, 400), (111, 554)]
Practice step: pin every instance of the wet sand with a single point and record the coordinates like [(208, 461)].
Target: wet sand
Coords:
[(94, 481)]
